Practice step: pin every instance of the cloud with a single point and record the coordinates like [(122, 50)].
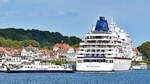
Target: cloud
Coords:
[(3, 1)]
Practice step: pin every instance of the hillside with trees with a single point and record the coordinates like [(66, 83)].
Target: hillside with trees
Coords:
[(12, 43), (145, 49), (45, 39)]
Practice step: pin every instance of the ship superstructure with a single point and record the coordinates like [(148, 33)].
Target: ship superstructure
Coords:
[(37, 67), (105, 48)]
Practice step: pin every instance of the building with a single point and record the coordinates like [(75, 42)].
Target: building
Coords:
[(64, 52), (137, 55)]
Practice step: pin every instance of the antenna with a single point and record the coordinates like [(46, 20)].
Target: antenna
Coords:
[(111, 20), (93, 27)]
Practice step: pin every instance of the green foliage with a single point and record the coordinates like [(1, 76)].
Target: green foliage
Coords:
[(11, 43), (145, 49), (74, 40), (46, 48), (26, 43), (136, 62), (75, 45), (45, 38)]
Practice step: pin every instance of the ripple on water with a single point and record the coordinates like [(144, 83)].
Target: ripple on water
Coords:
[(129, 77)]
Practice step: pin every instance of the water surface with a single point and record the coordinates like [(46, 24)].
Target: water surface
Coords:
[(129, 77)]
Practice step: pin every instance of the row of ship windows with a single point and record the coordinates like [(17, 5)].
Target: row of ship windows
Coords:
[(96, 41), (95, 50), (51, 67), (29, 67), (95, 60), (98, 37), (102, 37), (101, 42), (101, 55), (98, 46)]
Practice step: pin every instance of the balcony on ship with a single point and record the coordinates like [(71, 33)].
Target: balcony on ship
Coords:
[(87, 43)]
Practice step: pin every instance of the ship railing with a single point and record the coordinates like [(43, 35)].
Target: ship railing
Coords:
[(98, 48), (99, 52), (98, 39), (98, 32), (100, 44)]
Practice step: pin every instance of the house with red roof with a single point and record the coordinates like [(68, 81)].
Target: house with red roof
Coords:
[(65, 52), (10, 55), (23, 55), (137, 56), (47, 54), (20, 55)]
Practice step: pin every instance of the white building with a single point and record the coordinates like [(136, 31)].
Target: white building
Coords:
[(137, 55), (64, 52)]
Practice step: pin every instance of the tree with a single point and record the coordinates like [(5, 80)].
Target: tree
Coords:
[(13, 43), (26, 43), (45, 38), (74, 40), (145, 49)]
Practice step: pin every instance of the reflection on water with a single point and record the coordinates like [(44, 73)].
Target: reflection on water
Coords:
[(128, 77)]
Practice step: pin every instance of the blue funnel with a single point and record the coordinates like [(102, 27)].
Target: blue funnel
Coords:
[(102, 25)]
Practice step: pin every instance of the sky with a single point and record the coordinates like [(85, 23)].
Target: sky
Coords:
[(75, 17)]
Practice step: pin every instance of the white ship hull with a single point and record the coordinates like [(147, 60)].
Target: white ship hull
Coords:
[(122, 65), (140, 66), (94, 67), (118, 65)]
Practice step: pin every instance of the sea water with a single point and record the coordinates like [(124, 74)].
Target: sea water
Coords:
[(128, 77)]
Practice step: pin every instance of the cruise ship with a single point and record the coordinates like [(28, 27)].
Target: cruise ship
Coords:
[(105, 48)]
